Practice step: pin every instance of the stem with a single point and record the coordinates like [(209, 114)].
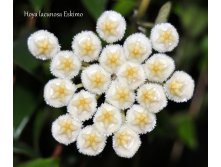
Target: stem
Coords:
[(142, 8), (80, 85)]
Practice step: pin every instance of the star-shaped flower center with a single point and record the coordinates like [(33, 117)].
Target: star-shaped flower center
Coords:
[(122, 95), (66, 128), (131, 73), (135, 50), (113, 60), (82, 104), (107, 117), (109, 27), (87, 47), (141, 119), (123, 139), (60, 91), (148, 96), (176, 88), (44, 46), (92, 140), (157, 67), (166, 37), (97, 80), (66, 64)]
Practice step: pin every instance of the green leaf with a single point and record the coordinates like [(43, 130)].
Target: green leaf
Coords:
[(50, 162), (124, 7), (95, 8), (163, 13), (24, 103), (23, 58), (38, 4), (22, 148), (185, 129)]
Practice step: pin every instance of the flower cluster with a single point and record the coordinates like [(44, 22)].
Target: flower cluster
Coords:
[(133, 86)]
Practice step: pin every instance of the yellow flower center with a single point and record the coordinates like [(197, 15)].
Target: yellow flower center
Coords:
[(59, 91), (148, 96), (113, 60), (131, 73), (123, 139), (141, 120), (107, 117), (82, 104), (109, 27), (66, 127), (166, 37), (87, 47), (176, 88), (44, 46), (157, 67), (91, 141), (97, 80), (122, 95), (66, 64), (136, 50)]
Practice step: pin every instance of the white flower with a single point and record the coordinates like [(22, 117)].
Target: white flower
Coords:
[(120, 95), (111, 26), (111, 58), (159, 67), (65, 129), (179, 87), (58, 92), (86, 46), (152, 97), (137, 47), (126, 142), (164, 37), (82, 106), (95, 79), (132, 73), (140, 120), (65, 65), (90, 141), (107, 119), (43, 44)]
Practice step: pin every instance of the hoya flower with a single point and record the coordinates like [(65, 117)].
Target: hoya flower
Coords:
[(58, 92), (159, 67), (65, 65), (95, 79), (112, 57), (120, 95), (43, 44), (152, 97), (137, 47), (126, 142), (65, 129), (179, 87), (86, 46), (107, 119), (140, 119), (132, 73), (83, 105), (164, 37), (111, 26), (90, 141)]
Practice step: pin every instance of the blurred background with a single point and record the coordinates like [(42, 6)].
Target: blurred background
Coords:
[(181, 135)]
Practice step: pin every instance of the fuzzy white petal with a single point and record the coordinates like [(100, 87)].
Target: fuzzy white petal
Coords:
[(65, 129), (120, 95), (86, 46), (164, 37), (179, 87), (126, 142), (137, 47), (65, 65), (58, 92), (90, 141), (82, 106), (111, 26), (140, 119), (152, 97), (43, 44), (107, 119), (111, 58), (132, 73), (159, 67), (95, 79)]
